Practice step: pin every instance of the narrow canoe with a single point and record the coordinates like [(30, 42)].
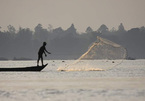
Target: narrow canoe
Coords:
[(32, 68)]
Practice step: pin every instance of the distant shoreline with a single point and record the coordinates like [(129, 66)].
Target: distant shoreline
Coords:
[(14, 59), (27, 59), (3, 59)]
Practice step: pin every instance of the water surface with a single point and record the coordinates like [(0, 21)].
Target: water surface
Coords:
[(125, 81)]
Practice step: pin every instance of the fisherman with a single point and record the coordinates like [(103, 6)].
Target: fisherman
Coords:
[(40, 53)]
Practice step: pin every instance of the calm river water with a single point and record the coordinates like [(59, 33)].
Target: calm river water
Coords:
[(123, 82)]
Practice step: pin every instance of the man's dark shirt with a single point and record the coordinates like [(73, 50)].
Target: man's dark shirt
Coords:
[(41, 50)]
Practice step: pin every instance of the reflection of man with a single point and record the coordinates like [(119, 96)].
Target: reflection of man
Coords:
[(40, 53)]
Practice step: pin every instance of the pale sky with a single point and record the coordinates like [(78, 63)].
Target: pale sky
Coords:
[(82, 13)]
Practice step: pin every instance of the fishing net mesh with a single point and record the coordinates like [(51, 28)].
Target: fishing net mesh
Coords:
[(100, 56)]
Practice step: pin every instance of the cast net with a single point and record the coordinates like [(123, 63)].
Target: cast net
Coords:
[(103, 54)]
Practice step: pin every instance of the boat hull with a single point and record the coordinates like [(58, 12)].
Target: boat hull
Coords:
[(33, 68)]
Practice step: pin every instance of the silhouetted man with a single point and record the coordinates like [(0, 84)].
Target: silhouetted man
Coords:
[(40, 53)]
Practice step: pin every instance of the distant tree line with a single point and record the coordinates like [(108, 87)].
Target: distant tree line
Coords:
[(67, 44)]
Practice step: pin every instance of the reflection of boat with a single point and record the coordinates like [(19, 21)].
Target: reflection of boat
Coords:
[(33, 68)]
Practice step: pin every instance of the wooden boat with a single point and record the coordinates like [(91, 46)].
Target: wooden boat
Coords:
[(33, 68)]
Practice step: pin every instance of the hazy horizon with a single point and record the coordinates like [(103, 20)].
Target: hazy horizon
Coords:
[(82, 13)]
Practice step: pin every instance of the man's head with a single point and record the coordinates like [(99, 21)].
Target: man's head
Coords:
[(44, 43)]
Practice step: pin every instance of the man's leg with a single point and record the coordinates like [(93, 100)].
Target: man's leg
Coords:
[(42, 60), (38, 60)]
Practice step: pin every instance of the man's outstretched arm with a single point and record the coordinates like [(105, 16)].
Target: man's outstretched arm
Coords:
[(47, 51)]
